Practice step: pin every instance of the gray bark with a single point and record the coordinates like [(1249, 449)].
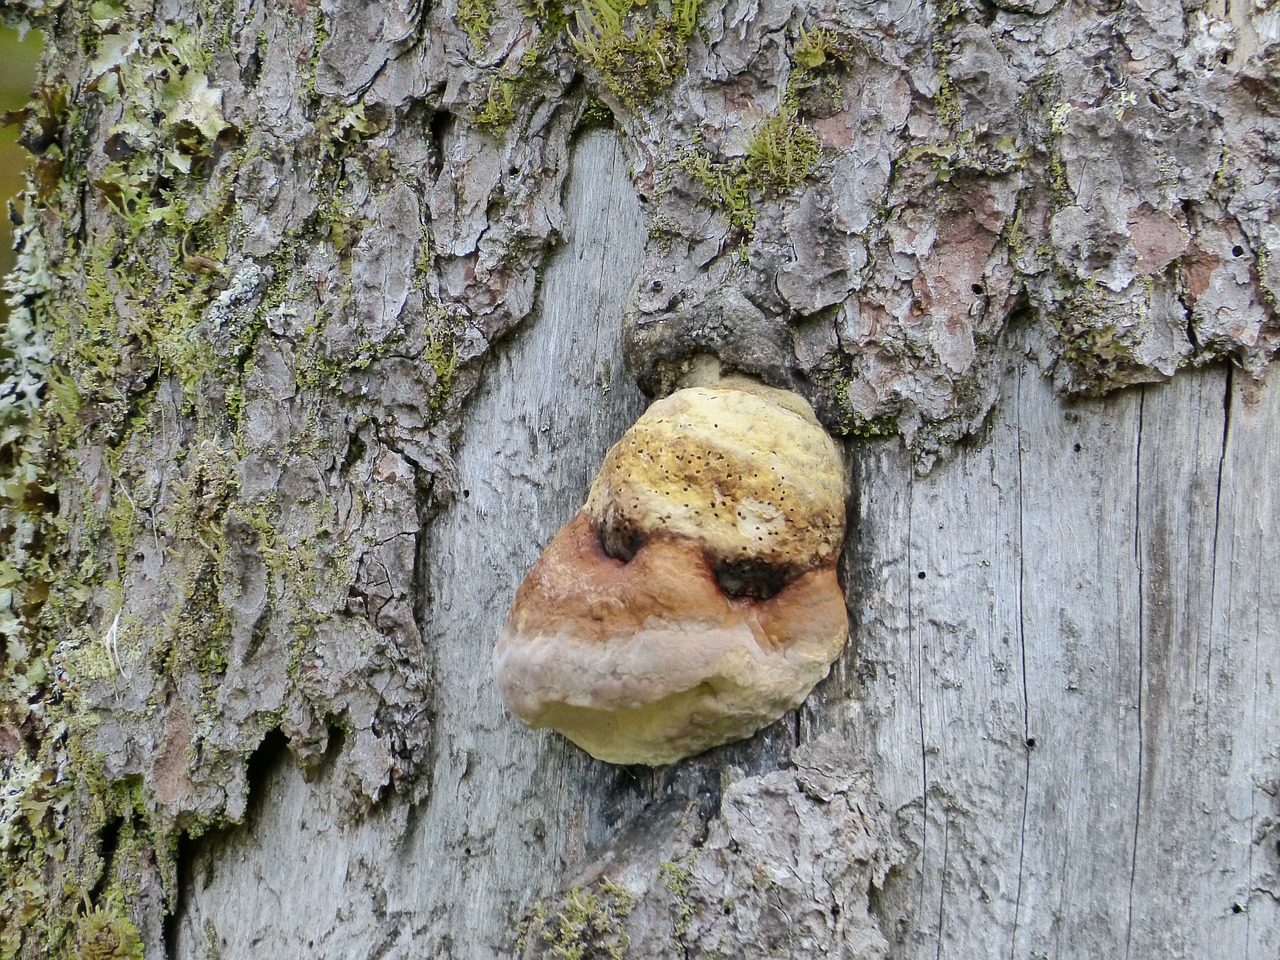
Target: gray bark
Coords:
[(346, 356)]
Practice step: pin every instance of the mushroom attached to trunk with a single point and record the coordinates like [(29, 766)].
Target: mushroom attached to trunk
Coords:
[(693, 600)]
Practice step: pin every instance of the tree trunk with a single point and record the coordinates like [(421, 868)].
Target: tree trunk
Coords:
[(326, 315)]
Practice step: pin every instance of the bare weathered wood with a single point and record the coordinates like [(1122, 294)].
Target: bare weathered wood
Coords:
[(506, 808), (1068, 716), (1064, 666)]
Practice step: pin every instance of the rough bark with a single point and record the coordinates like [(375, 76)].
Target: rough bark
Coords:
[(326, 314)]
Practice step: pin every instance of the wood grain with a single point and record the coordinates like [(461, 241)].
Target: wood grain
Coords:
[(1062, 678)]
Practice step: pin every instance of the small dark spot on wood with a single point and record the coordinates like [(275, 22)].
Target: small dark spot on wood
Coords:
[(466, 494), (1237, 908), (978, 289), (1237, 251), (1077, 448), (921, 575), (1031, 741)]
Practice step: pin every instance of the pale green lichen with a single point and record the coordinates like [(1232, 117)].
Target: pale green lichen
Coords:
[(25, 355), (972, 151), (161, 74), (676, 877), (476, 18), (1096, 334)]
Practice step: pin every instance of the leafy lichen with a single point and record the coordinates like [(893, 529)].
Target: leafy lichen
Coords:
[(476, 18)]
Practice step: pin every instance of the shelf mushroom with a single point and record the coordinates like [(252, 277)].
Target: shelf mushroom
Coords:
[(693, 599)]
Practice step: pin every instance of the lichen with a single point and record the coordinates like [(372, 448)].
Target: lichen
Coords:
[(1096, 335), (25, 356), (476, 18), (678, 881)]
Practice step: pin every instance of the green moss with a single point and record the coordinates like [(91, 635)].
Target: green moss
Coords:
[(441, 354), (946, 102), (590, 924), (836, 375), (727, 186), (780, 156), (637, 51), (506, 88), (814, 49), (595, 113), (498, 108), (782, 153), (106, 934)]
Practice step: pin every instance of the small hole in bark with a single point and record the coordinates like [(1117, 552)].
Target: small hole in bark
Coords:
[(108, 841), (466, 494), (1077, 448), (1237, 908), (1237, 251), (441, 126), (1031, 741), (978, 289), (1225, 58), (921, 575)]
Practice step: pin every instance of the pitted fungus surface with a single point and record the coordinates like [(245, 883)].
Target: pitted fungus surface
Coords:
[(693, 600)]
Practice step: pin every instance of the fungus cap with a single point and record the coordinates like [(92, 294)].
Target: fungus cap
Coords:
[(694, 599), (752, 476)]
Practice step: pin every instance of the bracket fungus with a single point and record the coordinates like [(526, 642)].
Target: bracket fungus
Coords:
[(693, 599)]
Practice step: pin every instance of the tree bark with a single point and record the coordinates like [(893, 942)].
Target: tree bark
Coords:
[(326, 315)]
